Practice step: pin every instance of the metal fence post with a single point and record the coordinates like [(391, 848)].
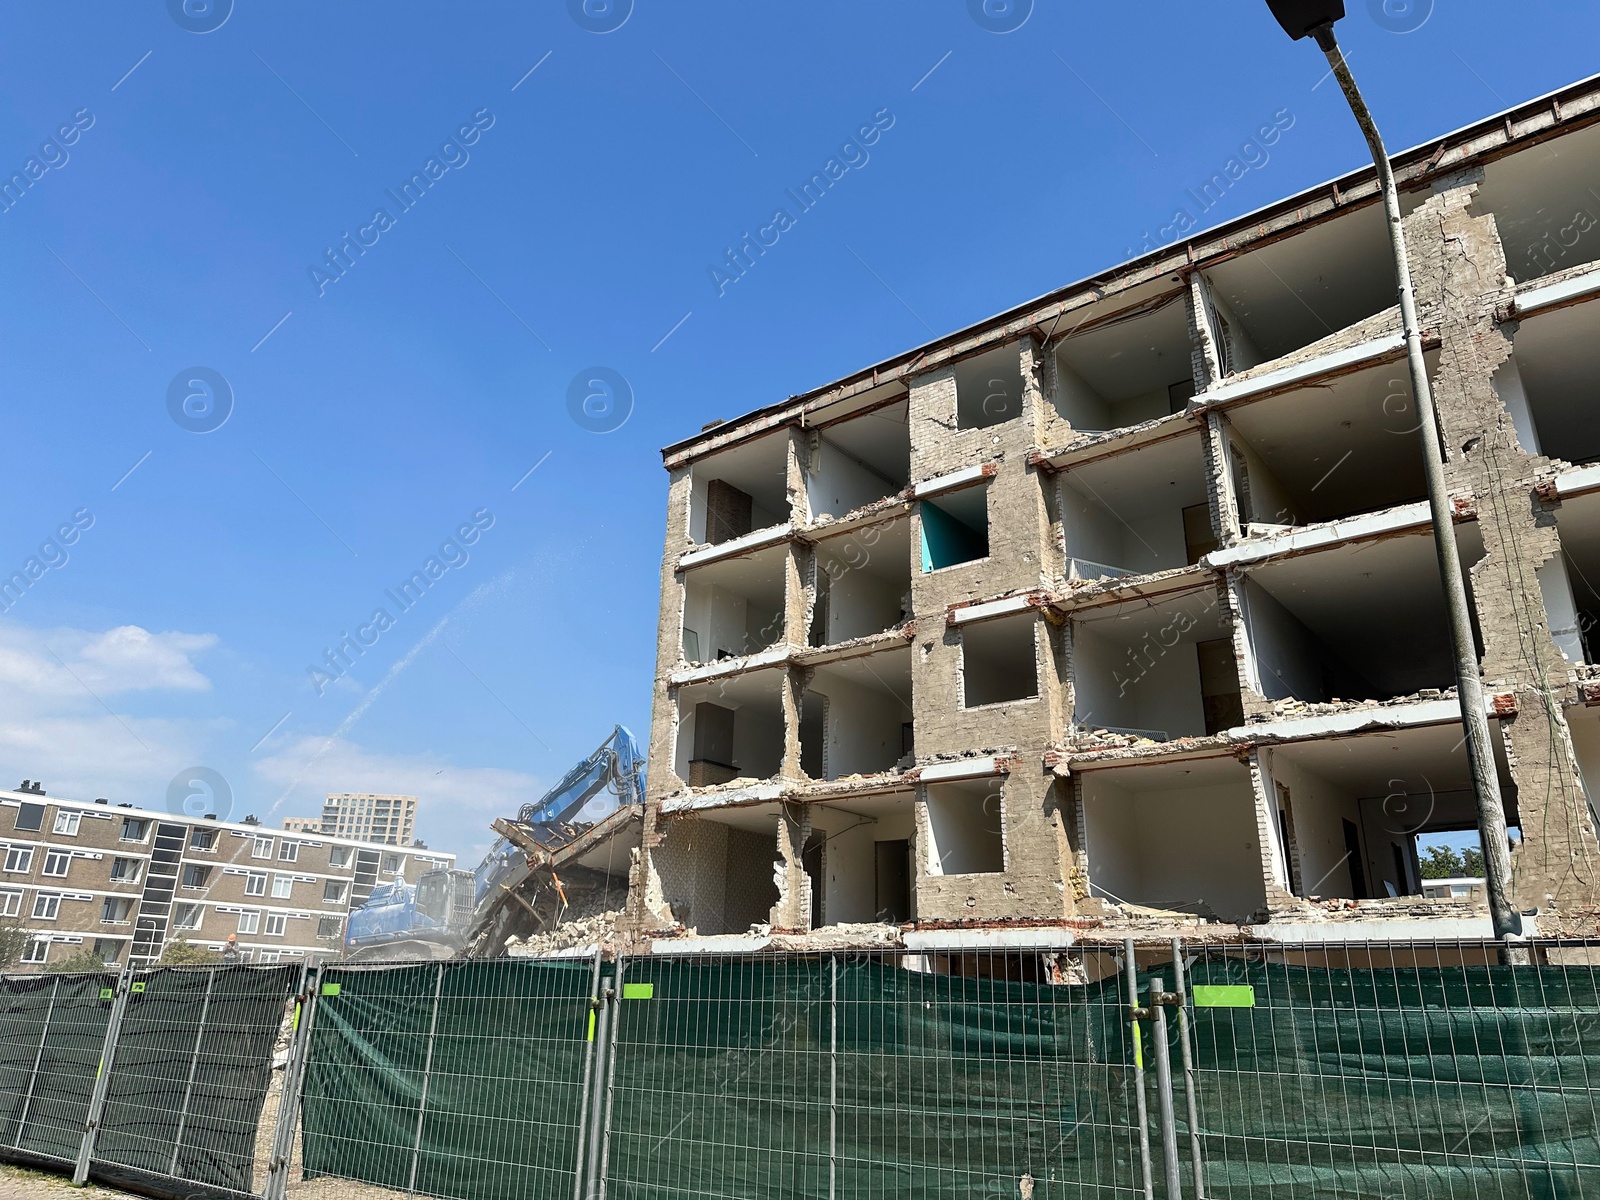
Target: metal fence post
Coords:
[(1186, 1051), (194, 1067), (1169, 1122), (605, 991), (833, 1076), (277, 1181), (611, 1075), (1130, 973), (38, 1060), (102, 1078), (427, 1071), (584, 1137)]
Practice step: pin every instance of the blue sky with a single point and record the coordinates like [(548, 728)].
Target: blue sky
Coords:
[(375, 408)]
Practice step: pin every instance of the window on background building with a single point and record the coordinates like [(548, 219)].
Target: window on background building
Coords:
[(30, 817), (269, 956), (56, 863), (108, 950), (275, 924), (125, 870), (202, 839), (115, 910), (391, 863), (339, 856), (255, 883), (187, 916), (36, 951), (67, 823), (333, 892), (10, 903), (195, 876), (249, 920), (262, 848), (19, 859), (282, 886), (134, 829), (328, 927), (289, 852), (46, 906)]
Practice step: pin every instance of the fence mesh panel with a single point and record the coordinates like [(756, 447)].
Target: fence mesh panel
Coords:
[(190, 1073), (1415, 1071), (872, 1075), (1329, 1072), (52, 1029), (457, 1080)]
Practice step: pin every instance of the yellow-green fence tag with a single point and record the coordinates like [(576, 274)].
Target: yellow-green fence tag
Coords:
[(330, 989), (591, 1024), (1224, 996), (138, 987), (638, 991)]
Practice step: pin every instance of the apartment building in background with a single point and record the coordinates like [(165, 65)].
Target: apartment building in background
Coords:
[(125, 881), (303, 824), (371, 817), (1121, 608)]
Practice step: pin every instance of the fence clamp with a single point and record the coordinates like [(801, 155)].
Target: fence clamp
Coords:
[(1147, 1012)]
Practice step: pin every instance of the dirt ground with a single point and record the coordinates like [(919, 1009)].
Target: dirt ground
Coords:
[(17, 1184)]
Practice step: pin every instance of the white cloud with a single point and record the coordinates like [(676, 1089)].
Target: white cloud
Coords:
[(57, 667), (456, 805)]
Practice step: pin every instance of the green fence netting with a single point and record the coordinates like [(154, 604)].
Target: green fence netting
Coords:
[(779, 1079), (456, 1079), (1414, 1082), (190, 1073), (52, 1030), (854, 1076)]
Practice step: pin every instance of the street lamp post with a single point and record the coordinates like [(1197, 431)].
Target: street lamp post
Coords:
[(1316, 18)]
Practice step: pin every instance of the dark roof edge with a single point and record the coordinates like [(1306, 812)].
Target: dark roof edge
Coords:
[(1430, 156)]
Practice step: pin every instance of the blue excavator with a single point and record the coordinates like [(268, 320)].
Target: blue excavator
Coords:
[(583, 831)]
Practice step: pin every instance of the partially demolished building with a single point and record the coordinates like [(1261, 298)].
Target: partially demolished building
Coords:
[(1120, 609)]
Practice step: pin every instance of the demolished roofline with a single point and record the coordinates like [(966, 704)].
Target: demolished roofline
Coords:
[(1310, 206)]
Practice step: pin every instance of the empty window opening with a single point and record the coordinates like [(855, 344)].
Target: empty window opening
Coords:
[(1544, 207), (999, 661), (1138, 512), (737, 491), (863, 583), (1180, 837), (1548, 385), (1276, 299), (730, 730), (966, 827), (865, 869), (1126, 369), (1362, 621), (717, 876), (1353, 811), (853, 714), (1345, 447), (989, 388), (1571, 580), (1138, 669), (1219, 684), (859, 460), (955, 528), (733, 607)]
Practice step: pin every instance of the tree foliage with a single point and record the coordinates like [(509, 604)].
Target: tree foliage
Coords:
[(13, 940), (84, 960), (1446, 862), (179, 953)]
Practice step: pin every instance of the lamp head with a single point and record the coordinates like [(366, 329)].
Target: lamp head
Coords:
[(1302, 17)]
